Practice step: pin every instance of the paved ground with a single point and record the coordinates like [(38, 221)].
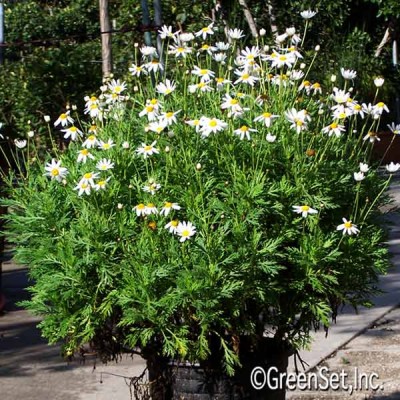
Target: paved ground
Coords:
[(32, 370)]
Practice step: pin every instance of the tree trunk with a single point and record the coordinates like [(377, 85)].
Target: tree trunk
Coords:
[(105, 28)]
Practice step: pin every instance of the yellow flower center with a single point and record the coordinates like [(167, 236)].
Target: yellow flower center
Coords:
[(357, 107), (88, 175), (205, 47), (140, 206), (348, 224), (267, 115), (234, 101), (92, 128), (63, 116), (213, 123), (73, 129), (92, 138), (93, 98), (117, 89), (206, 29), (306, 83), (316, 85), (185, 233), (154, 102), (168, 204), (102, 183), (305, 208), (370, 133), (84, 152), (106, 146), (174, 223), (149, 109), (93, 107), (282, 58), (55, 172), (203, 71), (299, 122), (169, 114), (180, 49), (333, 125), (244, 128), (196, 122), (381, 105), (245, 76), (150, 205), (342, 115), (220, 80), (147, 148), (201, 85), (152, 225)]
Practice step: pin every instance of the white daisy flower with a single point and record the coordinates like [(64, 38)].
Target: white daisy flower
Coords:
[(364, 167), (106, 145), (245, 77), (211, 125), (72, 132), (55, 171), (83, 155), (90, 142), (168, 207), (394, 128), (359, 176), (204, 73), (372, 137), (137, 70), (379, 108), (304, 210), (148, 51), (348, 227), (83, 188), (64, 119), (201, 86), (195, 123), (186, 37), (157, 126), (334, 129), (166, 32), (172, 226), (104, 164), (152, 188), (203, 32), (166, 87), (298, 119), (101, 185), (348, 74), (185, 230), (266, 118), (20, 143), (116, 86), (169, 118), (235, 33), (140, 210), (392, 167), (270, 138), (222, 46), (378, 82), (154, 66), (180, 50), (150, 209), (244, 132), (150, 111), (89, 178), (308, 14), (147, 150)]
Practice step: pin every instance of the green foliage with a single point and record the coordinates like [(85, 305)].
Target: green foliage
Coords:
[(111, 271)]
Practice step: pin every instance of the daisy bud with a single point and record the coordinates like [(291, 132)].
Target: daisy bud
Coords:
[(103, 88), (33, 159), (333, 78), (364, 167), (64, 182), (302, 66), (136, 45), (171, 134), (135, 88), (31, 134), (46, 118), (198, 166), (29, 122), (263, 32), (266, 48), (270, 138), (320, 111), (120, 206), (317, 47), (125, 145), (130, 187), (74, 107), (167, 149), (379, 82)]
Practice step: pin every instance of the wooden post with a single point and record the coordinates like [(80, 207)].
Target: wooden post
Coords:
[(105, 28), (158, 22), (1, 32), (146, 22)]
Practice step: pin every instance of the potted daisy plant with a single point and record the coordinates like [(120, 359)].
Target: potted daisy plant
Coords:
[(211, 212)]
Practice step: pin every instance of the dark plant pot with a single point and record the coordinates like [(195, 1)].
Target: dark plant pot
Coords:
[(184, 381)]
